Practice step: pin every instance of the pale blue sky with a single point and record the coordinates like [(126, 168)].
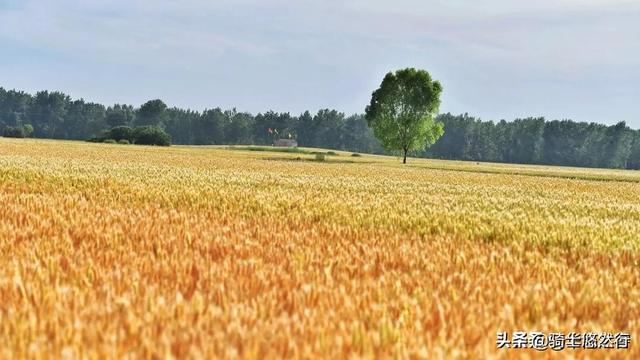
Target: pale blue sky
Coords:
[(495, 58)]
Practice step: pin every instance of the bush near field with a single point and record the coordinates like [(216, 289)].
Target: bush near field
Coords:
[(18, 131), (140, 135)]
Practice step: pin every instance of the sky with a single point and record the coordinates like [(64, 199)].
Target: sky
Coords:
[(496, 59)]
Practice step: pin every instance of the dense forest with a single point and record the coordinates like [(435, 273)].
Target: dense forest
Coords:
[(536, 141), (528, 141)]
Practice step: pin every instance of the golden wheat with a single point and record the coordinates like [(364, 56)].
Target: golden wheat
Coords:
[(115, 251)]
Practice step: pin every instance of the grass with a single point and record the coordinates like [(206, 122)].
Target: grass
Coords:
[(116, 251), (294, 150), (288, 150)]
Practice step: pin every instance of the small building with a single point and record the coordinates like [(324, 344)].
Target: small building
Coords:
[(286, 143)]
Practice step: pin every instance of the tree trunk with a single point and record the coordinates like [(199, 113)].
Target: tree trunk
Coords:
[(404, 161)]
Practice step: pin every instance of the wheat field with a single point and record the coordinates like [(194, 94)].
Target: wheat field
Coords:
[(112, 251)]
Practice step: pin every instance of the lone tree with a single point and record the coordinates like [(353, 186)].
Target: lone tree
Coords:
[(402, 110)]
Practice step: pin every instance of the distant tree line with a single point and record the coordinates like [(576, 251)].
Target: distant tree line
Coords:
[(536, 141), (529, 141), (55, 115)]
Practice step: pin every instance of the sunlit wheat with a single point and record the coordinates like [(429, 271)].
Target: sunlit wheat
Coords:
[(114, 250)]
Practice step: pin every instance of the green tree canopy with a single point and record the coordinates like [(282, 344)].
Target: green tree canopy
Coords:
[(119, 115), (401, 111), (153, 112)]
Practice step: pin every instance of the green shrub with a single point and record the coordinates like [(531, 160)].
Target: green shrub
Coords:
[(320, 157), (151, 135), (27, 130), (356, 155), (120, 133), (13, 132), (332, 153), (95, 139), (141, 135)]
